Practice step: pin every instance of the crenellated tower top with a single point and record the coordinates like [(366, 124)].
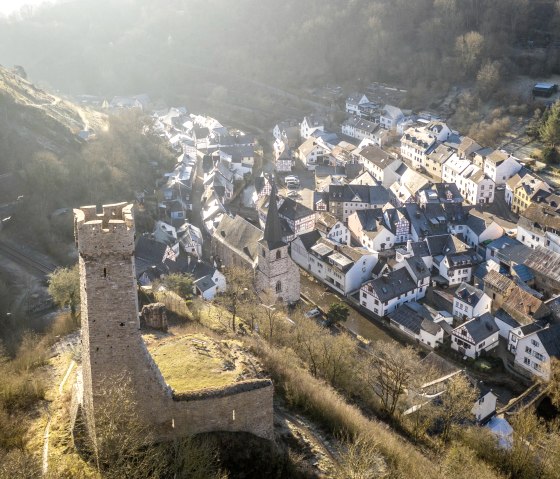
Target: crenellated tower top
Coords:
[(109, 232)]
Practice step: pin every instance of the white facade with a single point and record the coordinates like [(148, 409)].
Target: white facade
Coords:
[(531, 356), (484, 406), (473, 185), (493, 231), (454, 275), (464, 343), (353, 103), (373, 241), (309, 125), (416, 143), (462, 309), (502, 171), (328, 268), (339, 233), (370, 300)]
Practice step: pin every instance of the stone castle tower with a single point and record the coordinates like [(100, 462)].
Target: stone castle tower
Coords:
[(111, 343), (276, 271), (113, 348)]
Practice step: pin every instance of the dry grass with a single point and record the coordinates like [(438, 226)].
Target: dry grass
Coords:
[(322, 403), (196, 361)]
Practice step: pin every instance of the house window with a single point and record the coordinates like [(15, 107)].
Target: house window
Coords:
[(528, 350), (279, 287), (526, 361), (364, 295), (535, 343), (376, 301), (278, 254)]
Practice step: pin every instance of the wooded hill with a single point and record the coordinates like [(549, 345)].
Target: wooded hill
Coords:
[(165, 48)]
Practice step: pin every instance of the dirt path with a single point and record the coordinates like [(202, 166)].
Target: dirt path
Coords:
[(316, 450)]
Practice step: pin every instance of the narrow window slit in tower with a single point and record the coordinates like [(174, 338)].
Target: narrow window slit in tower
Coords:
[(104, 272)]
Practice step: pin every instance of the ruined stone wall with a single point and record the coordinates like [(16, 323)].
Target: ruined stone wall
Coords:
[(154, 315), (240, 407), (113, 346)]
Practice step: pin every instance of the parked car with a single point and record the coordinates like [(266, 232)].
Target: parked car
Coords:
[(313, 313)]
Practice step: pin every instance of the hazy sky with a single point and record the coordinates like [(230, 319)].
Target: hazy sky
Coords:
[(9, 6)]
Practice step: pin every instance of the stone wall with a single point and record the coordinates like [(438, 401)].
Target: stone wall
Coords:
[(112, 345), (154, 315)]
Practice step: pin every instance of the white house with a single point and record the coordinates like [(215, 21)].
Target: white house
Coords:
[(341, 267), (475, 336), (501, 166), (416, 145), (312, 152), (353, 103), (332, 228), (390, 117), (368, 229), (383, 295), (345, 199), (539, 225), (381, 164), (485, 405), (535, 350), (207, 279), (359, 128), (473, 184), (480, 227), (310, 124), (470, 302), (417, 321), (191, 239)]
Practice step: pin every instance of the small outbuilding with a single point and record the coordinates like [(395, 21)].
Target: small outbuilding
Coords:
[(545, 89)]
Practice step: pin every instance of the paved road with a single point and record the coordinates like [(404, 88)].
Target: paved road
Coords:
[(356, 323)]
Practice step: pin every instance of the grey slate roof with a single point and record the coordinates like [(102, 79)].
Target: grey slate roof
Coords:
[(420, 249), (468, 294), (518, 254), (293, 210), (240, 235), (310, 238), (481, 328), (373, 195), (418, 267), (393, 284), (550, 339), (414, 317), (272, 235)]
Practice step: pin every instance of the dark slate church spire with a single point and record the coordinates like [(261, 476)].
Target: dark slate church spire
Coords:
[(272, 230)]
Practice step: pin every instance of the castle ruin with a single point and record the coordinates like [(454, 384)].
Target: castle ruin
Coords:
[(113, 346)]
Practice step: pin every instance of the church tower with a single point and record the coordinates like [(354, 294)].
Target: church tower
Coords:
[(276, 271)]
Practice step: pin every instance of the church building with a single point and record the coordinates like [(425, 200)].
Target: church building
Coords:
[(236, 242)]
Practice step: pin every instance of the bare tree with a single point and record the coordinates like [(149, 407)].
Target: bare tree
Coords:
[(390, 371), (456, 404), (529, 437), (239, 291), (124, 444)]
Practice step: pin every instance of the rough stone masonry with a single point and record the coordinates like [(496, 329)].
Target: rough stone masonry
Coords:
[(112, 345)]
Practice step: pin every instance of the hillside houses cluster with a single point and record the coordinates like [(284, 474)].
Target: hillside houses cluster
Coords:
[(207, 149), (390, 225)]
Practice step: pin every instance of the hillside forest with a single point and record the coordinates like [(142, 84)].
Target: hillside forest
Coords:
[(106, 47)]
